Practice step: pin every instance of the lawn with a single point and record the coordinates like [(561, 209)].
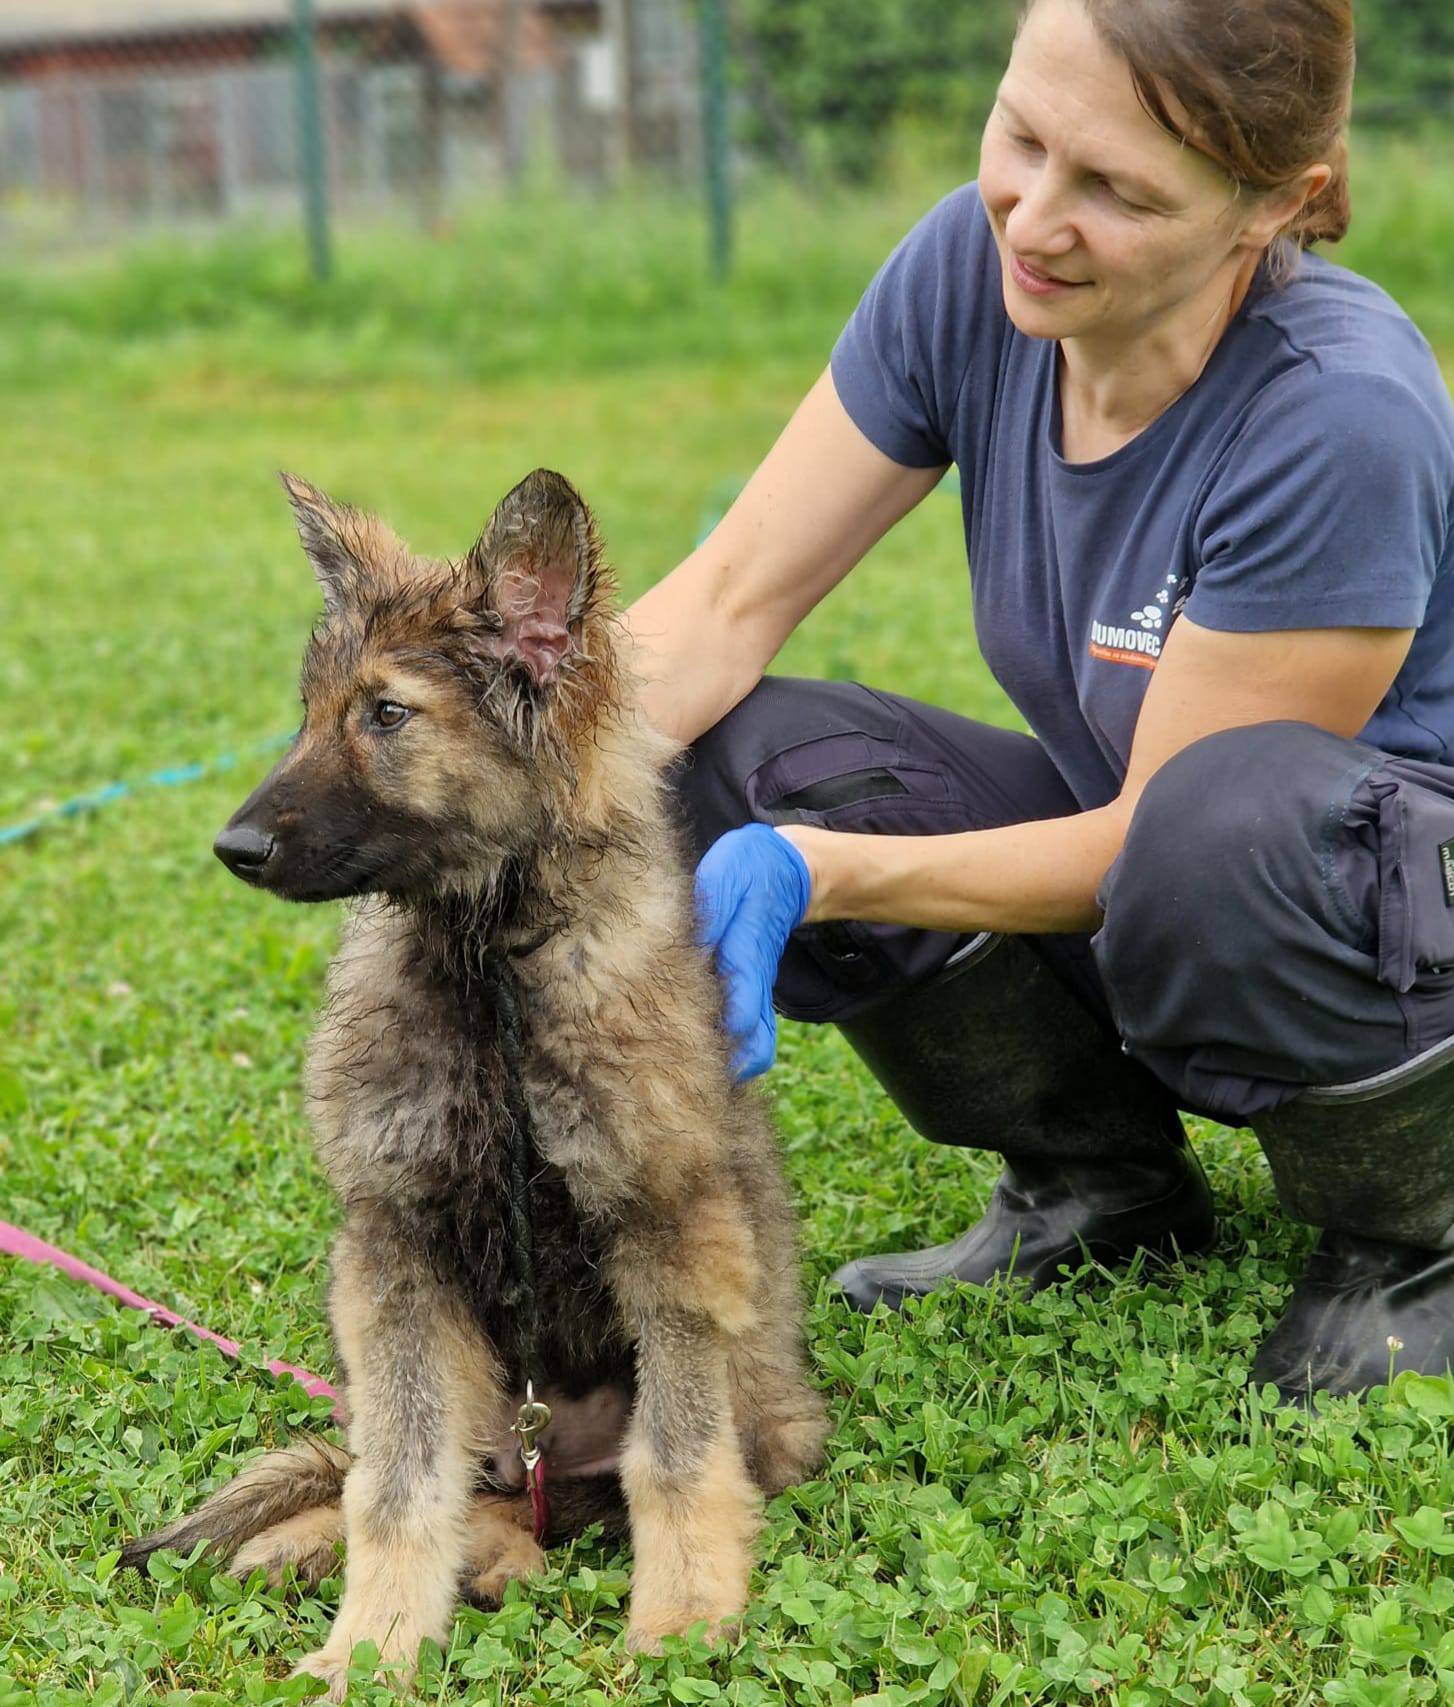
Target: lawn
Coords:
[(1062, 1499)]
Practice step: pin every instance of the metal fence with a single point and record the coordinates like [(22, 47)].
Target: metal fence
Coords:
[(121, 115)]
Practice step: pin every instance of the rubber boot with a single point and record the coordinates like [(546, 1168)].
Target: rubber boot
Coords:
[(995, 1052), (1372, 1164)]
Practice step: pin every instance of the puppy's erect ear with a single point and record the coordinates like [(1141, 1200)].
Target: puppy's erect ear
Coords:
[(533, 576), (325, 529)]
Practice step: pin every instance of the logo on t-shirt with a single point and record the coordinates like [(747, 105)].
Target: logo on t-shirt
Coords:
[(1139, 641), (1446, 866)]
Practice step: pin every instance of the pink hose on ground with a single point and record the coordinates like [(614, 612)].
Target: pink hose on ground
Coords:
[(16, 1242)]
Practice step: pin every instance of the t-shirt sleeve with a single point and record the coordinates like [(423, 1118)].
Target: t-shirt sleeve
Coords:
[(900, 363), (1330, 510)]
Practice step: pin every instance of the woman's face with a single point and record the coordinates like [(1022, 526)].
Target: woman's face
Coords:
[(1105, 224)]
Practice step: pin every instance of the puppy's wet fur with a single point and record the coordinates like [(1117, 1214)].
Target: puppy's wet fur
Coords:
[(471, 767)]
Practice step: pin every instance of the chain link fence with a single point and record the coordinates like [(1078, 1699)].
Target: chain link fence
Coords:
[(122, 116)]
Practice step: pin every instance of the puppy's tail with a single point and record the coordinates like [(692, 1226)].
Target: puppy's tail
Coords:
[(294, 1479), (576, 1502)]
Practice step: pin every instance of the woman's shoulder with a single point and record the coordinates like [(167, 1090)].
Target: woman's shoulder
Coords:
[(960, 209), (951, 240), (1329, 395), (951, 231), (949, 266), (932, 315), (943, 274), (1334, 323)]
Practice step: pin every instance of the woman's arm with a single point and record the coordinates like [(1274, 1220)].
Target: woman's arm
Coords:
[(820, 498), (1043, 876)]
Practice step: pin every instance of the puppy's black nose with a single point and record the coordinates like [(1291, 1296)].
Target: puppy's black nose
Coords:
[(243, 851)]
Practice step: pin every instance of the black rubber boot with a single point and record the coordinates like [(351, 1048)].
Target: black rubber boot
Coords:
[(1372, 1163), (1362, 1310), (995, 1053)]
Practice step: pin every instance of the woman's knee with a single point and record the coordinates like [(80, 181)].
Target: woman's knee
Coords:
[(1226, 819), (789, 736), (1239, 917)]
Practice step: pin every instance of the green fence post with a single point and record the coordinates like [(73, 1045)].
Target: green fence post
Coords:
[(311, 155), (714, 132)]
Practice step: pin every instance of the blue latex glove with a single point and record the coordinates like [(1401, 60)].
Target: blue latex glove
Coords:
[(752, 891)]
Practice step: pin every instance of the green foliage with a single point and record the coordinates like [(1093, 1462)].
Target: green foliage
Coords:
[(845, 76), (1405, 60)]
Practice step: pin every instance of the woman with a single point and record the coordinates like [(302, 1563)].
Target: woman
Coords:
[(1208, 480)]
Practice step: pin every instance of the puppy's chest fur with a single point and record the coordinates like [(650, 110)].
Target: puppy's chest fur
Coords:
[(412, 1105)]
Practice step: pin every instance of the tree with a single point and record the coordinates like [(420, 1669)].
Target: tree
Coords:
[(837, 76)]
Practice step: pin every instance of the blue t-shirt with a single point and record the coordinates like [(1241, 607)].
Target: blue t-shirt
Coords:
[(1306, 480)]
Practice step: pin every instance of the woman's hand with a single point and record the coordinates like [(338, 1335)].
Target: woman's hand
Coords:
[(752, 890)]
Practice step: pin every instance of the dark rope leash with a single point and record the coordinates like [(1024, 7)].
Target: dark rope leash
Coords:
[(534, 1414)]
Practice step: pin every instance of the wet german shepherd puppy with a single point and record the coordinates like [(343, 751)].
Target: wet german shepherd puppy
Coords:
[(472, 769)]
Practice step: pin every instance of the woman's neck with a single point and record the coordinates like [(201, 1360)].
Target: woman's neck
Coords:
[(1113, 389)]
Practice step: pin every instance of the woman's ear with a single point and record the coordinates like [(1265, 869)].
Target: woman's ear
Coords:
[(1275, 210)]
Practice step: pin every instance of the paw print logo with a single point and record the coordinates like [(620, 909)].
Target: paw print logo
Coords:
[(1150, 618)]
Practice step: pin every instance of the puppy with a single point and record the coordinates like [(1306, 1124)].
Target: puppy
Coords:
[(521, 1042)]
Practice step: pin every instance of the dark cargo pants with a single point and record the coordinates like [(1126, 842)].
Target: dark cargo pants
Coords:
[(1281, 914)]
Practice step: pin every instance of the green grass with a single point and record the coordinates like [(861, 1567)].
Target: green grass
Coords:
[(576, 285), (1063, 1499), (561, 282)]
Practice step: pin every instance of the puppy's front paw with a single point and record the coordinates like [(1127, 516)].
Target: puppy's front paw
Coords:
[(331, 1663), (645, 1632), (326, 1665)]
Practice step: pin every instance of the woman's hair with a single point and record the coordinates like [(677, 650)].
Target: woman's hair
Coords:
[(1261, 87)]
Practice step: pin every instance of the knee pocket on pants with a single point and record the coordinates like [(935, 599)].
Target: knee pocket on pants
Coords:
[(1285, 893)]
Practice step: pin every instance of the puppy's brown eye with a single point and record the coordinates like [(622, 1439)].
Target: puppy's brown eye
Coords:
[(389, 714)]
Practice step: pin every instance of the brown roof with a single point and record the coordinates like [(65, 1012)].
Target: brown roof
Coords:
[(468, 37), (110, 20), (461, 32)]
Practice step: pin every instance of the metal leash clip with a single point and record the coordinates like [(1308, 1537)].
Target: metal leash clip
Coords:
[(533, 1418)]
